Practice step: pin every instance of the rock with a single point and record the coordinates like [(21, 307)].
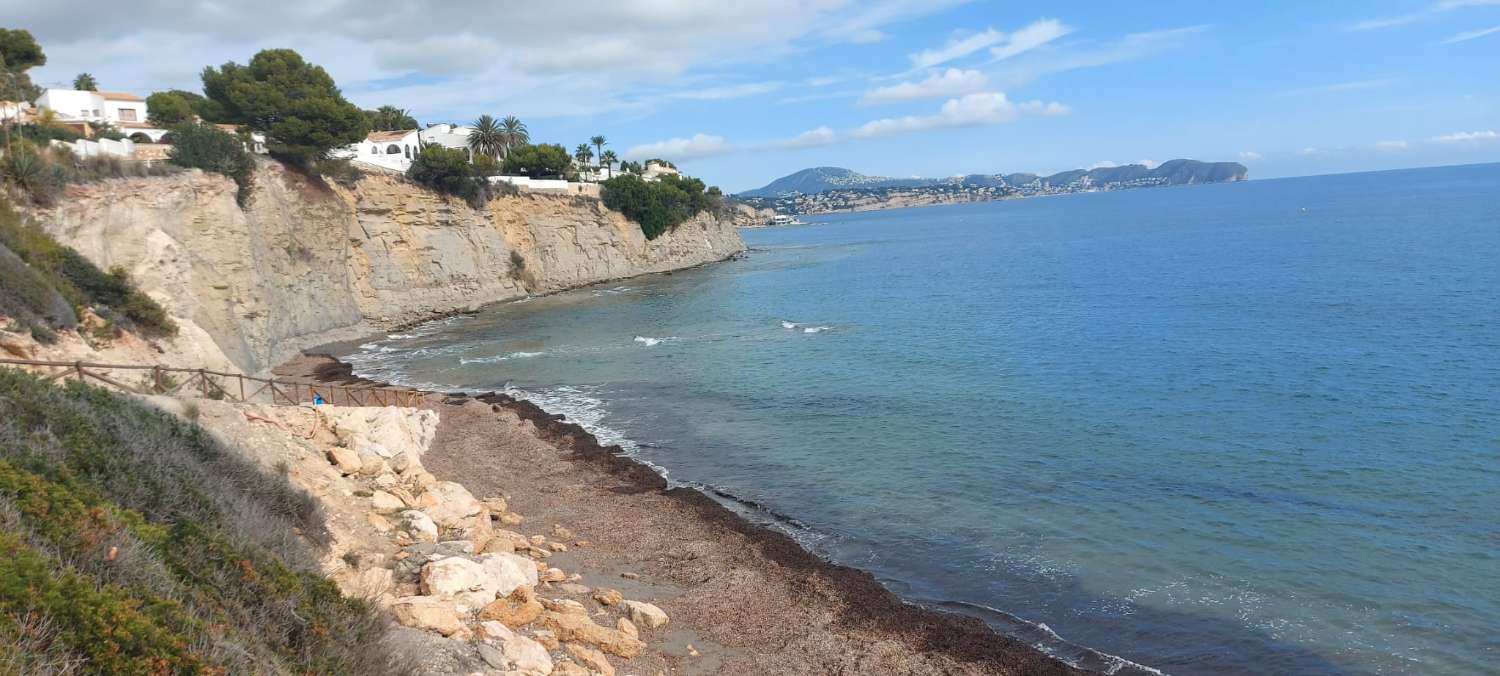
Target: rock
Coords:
[(645, 614), (497, 505), (582, 543), (608, 597), (382, 501), (426, 612), (571, 627), (570, 668), (518, 609), (364, 584), (527, 657), (631, 576), (499, 545), (379, 522), (537, 539), (477, 528), (628, 627), (557, 547), (591, 658), (386, 481), (15, 346), (446, 577), (418, 526), (345, 459), (508, 572), (565, 606), (553, 575), (538, 554), (570, 588), (492, 656), (518, 541), (561, 533), (448, 503), (401, 462), (511, 519), (371, 465), (547, 639), (493, 630)]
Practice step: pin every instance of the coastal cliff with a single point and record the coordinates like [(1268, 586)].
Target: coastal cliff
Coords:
[(307, 263)]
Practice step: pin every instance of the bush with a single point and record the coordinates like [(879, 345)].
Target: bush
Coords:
[(206, 147), (657, 205), (340, 171), (78, 280), (447, 170), (517, 265), (145, 547), (547, 160), (294, 102)]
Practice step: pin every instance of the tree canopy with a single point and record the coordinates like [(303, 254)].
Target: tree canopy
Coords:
[(446, 170), (176, 106), (487, 138), (19, 52), (537, 161), (660, 205), (294, 102), (85, 82), (391, 118)]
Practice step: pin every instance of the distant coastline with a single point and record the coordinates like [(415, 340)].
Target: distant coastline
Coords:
[(825, 190)]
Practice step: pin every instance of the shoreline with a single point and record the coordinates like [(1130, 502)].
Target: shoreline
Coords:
[(859, 599)]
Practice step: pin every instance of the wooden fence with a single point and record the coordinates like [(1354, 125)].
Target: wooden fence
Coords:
[(216, 385)]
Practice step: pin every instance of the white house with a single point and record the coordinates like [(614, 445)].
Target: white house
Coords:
[(123, 110), (656, 170), (395, 150)]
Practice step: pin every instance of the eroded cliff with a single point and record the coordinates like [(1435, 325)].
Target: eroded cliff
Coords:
[(308, 263)]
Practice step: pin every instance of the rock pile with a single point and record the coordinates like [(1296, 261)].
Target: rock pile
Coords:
[(449, 564)]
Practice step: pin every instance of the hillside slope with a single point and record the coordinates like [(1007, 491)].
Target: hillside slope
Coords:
[(1174, 172), (307, 264)]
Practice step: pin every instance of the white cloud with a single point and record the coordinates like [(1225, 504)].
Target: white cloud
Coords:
[(1001, 45), (1250, 155), (1470, 35), (1391, 146), (1017, 72), (726, 92), (863, 22), (700, 145), (1356, 85), (1103, 164), (973, 110), (948, 83), (1468, 136), (1431, 11), (1035, 35), (1149, 164), (821, 136), (956, 47)]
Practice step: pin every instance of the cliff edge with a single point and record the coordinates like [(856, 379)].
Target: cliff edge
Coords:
[(308, 263)]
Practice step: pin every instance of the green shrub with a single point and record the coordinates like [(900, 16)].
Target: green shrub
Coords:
[(206, 147), (78, 280), (147, 548), (517, 265), (447, 170), (657, 205), (546, 160), (295, 103)]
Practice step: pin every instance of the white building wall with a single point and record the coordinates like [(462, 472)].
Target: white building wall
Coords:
[(73, 104)]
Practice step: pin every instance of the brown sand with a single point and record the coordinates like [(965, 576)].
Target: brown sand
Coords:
[(742, 599)]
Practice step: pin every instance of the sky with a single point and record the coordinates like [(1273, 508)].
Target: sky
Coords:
[(742, 93)]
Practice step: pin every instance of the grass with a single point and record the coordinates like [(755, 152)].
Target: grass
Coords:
[(133, 543)]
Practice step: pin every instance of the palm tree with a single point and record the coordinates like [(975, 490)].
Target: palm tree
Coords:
[(583, 154), (487, 137), (514, 132), (608, 159), (599, 144)]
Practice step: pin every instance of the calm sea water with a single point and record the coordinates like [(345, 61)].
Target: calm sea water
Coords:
[(1241, 428)]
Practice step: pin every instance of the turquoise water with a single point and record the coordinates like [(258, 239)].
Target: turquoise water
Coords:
[(1238, 428)]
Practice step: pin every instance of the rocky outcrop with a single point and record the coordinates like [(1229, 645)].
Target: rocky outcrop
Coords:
[(308, 263)]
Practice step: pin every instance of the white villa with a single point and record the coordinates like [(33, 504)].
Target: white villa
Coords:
[(655, 170), (82, 109), (394, 150)]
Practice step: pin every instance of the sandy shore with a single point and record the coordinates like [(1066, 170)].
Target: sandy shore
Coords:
[(743, 599)]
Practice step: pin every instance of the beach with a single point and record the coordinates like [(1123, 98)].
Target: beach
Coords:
[(745, 598)]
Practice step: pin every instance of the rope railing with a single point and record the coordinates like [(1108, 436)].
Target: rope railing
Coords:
[(210, 384)]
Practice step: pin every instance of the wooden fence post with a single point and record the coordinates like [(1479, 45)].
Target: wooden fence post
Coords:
[(78, 370), (156, 377)]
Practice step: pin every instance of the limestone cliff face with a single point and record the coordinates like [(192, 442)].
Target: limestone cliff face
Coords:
[(307, 263)]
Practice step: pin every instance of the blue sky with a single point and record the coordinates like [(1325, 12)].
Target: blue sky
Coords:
[(743, 94)]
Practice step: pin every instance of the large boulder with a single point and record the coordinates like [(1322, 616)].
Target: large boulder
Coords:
[(427, 612), (418, 526), (451, 576), (572, 627), (518, 609), (509, 572), (645, 614), (527, 657), (448, 503), (593, 659)]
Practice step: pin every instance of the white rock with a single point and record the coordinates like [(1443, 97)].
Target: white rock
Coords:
[(419, 526), (645, 614), (448, 503), (426, 612), (527, 657), (494, 631), (509, 571), (382, 501), (454, 575)]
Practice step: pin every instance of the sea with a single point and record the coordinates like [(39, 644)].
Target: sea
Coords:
[(1241, 428)]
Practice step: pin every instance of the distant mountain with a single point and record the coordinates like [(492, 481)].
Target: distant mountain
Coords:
[(1175, 172)]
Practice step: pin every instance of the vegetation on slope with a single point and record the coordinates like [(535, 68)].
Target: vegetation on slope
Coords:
[(133, 543), (658, 205), (210, 148), (41, 269)]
